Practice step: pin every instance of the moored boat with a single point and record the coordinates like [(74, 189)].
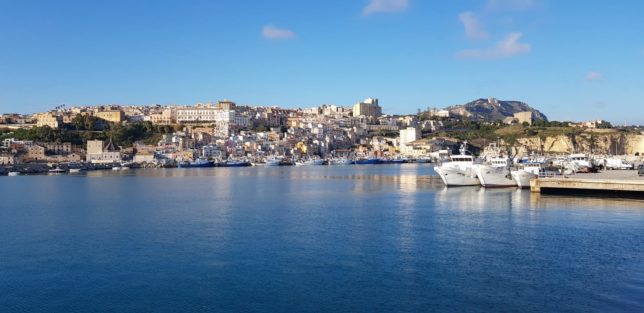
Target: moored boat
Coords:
[(311, 162), (341, 161), (460, 170), (526, 172), (234, 163), (199, 163), (496, 173), (274, 161), (57, 170), (364, 161), (13, 174)]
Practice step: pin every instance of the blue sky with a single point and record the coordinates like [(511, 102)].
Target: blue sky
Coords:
[(573, 60)]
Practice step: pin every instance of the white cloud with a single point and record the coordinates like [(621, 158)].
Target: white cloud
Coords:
[(473, 27), (511, 5), (507, 47), (385, 6), (274, 33), (592, 75)]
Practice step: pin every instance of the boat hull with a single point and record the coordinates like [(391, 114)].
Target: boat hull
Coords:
[(454, 177), (209, 164), (341, 162), (368, 161), (522, 178), (234, 164), (495, 177)]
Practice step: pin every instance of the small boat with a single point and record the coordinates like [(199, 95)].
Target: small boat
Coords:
[(116, 168), (311, 162), (13, 174), (200, 162), (75, 170), (57, 170), (234, 163), (274, 161), (423, 160), (399, 160), (341, 161)]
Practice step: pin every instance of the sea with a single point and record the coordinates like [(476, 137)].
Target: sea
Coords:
[(362, 238)]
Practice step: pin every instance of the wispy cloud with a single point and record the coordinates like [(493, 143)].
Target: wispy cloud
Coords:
[(592, 76), (473, 27), (505, 48), (274, 33), (385, 6), (511, 5)]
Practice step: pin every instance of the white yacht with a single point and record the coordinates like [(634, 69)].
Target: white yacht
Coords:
[(496, 173), (460, 170)]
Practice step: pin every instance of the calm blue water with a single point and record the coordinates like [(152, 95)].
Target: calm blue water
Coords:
[(310, 239)]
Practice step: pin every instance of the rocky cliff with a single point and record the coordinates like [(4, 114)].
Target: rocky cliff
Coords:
[(590, 143)]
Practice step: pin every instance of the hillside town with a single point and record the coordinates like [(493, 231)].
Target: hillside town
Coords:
[(225, 133)]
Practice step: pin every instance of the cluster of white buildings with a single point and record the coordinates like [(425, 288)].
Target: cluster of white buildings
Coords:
[(224, 129)]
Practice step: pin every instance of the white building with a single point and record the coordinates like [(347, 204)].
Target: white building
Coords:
[(407, 136), (196, 114), (228, 120)]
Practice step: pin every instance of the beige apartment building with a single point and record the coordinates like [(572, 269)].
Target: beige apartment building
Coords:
[(523, 117), (48, 119), (114, 116), (368, 107)]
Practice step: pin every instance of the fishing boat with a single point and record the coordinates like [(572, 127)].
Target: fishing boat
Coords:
[(13, 174), (496, 173), (364, 161), (526, 172), (460, 170), (75, 170)]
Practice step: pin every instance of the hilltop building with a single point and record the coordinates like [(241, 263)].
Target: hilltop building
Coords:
[(524, 117), (114, 116), (48, 119), (368, 107)]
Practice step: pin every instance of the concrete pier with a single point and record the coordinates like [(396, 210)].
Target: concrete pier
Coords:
[(615, 183)]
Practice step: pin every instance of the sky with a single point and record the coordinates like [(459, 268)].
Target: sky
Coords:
[(572, 60)]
